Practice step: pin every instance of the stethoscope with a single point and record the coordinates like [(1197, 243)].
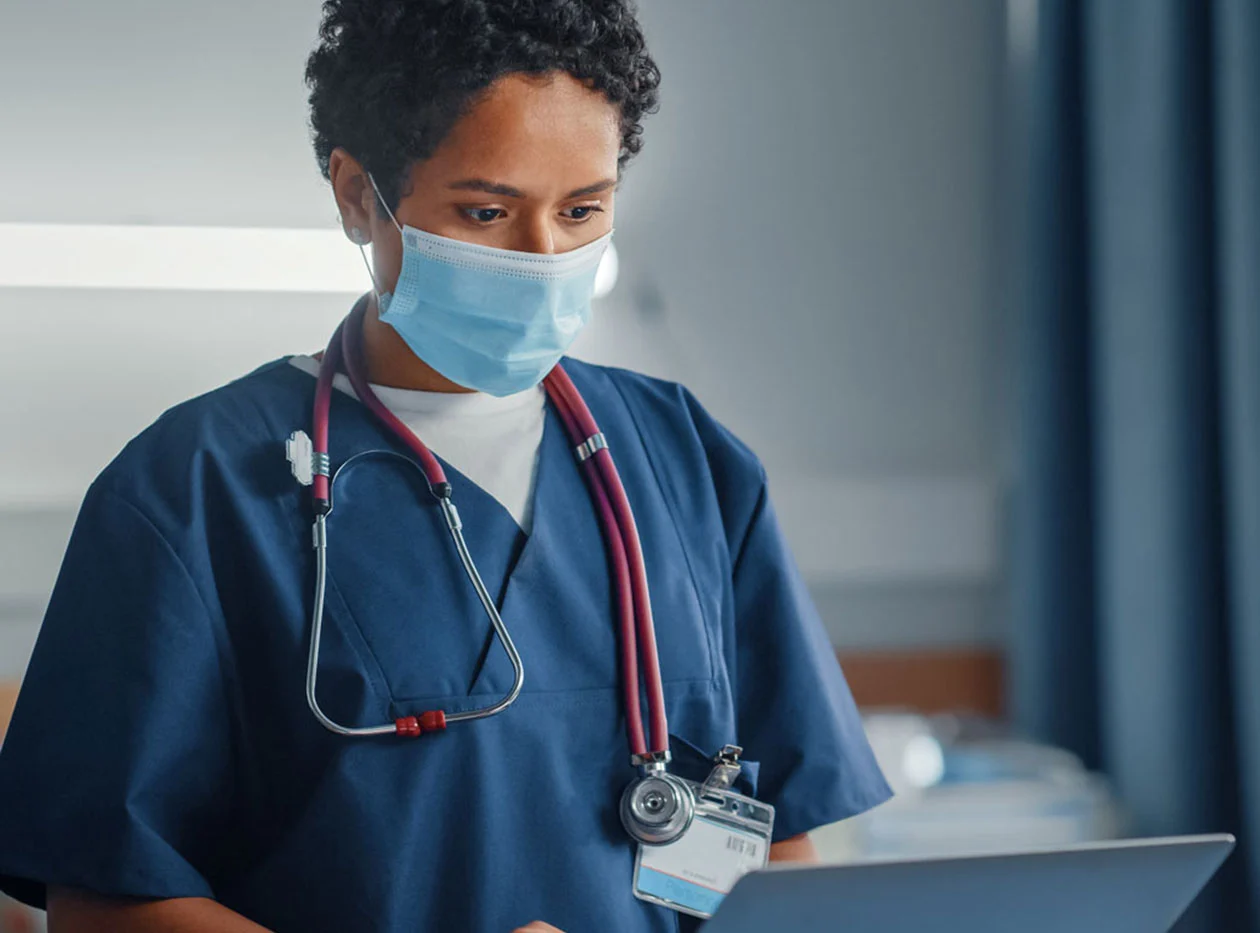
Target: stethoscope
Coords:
[(657, 807)]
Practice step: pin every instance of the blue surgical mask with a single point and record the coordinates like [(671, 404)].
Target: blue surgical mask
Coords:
[(489, 319)]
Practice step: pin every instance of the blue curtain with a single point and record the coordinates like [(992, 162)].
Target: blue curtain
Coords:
[(1135, 635)]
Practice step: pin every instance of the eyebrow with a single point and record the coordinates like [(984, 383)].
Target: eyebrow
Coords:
[(489, 187), (596, 188), (507, 191)]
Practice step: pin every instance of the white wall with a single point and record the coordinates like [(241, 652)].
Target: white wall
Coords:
[(809, 241), (817, 208)]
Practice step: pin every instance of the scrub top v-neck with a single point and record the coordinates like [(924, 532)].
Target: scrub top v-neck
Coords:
[(162, 747), (493, 441)]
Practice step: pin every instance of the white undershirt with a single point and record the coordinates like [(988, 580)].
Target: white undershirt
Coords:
[(493, 441)]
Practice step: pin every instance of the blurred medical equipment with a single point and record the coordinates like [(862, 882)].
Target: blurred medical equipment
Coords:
[(963, 787)]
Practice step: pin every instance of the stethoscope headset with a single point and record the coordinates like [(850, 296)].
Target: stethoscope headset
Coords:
[(656, 807)]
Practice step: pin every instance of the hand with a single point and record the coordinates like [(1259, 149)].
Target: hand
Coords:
[(537, 927)]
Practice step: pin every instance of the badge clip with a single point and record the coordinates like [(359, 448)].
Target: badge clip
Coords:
[(726, 768)]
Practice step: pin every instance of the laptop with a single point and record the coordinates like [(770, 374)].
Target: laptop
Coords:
[(1128, 886)]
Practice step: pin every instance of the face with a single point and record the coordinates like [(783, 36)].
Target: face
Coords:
[(531, 167)]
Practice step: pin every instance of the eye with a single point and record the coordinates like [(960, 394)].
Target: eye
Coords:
[(582, 212), (483, 215)]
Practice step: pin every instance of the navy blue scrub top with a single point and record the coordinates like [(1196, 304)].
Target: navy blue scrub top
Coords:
[(162, 746)]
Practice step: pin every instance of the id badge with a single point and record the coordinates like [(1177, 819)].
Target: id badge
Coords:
[(729, 837)]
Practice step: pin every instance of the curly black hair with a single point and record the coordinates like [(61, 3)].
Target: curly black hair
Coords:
[(390, 78)]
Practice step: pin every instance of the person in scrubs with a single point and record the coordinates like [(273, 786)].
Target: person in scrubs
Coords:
[(163, 770)]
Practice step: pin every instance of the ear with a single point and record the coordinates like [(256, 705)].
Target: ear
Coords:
[(353, 193)]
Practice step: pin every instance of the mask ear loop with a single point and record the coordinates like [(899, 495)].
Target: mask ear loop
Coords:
[(376, 288), (383, 204)]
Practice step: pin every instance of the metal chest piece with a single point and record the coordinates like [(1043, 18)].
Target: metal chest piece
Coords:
[(657, 807)]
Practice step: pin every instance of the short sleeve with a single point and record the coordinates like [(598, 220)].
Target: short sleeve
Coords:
[(115, 772), (795, 713)]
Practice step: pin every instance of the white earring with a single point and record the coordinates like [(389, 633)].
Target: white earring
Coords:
[(358, 236)]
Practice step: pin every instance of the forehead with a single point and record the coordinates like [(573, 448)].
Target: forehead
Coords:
[(534, 131)]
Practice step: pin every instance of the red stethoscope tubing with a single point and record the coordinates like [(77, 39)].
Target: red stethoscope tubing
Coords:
[(637, 638), (618, 520), (619, 569)]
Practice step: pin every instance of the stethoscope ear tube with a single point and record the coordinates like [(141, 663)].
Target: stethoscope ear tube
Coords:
[(344, 346)]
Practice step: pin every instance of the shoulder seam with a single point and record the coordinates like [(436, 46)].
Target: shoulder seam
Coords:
[(166, 542), (214, 620)]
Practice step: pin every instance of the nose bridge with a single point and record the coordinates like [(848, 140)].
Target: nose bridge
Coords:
[(538, 234)]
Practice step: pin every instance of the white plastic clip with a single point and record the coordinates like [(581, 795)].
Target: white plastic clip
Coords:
[(587, 448), (299, 451)]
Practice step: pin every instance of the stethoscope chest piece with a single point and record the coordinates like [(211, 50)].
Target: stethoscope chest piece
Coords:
[(657, 808)]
